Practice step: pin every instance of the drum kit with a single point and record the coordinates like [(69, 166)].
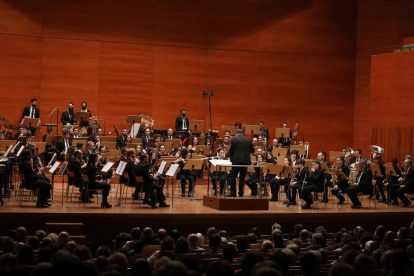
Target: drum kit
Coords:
[(8, 135)]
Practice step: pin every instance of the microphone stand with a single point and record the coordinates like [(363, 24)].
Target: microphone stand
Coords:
[(57, 119)]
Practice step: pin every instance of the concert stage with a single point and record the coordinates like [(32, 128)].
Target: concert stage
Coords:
[(186, 215)]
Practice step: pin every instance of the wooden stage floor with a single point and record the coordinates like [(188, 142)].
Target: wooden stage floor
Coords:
[(191, 216)]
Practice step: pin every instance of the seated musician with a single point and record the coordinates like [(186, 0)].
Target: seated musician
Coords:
[(156, 142), (75, 133), (93, 181), (362, 185), (276, 182), (149, 184), (121, 140), (301, 143), (20, 133), (356, 158), (29, 139), (145, 138), (294, 155), (274, 145), (76, 165), (161, 151), (393, 180), (271, 160), (380, 179), (315, 183), (49, 132), (263, 131), (169, 134), (226, 134), (90, 148), (226, 141), (238, 125), (255, 178), (296, 184), (152, 157), (33, 180), (97, 140), (193, 145), (341, 184), (102, 162), (220, 175), (130, 170), (344, 151), (255, 142), (138, 152), (100, 132), (80, 146), (406, 185), (63, 145), (185, 175), (328, 177), (129, 139)]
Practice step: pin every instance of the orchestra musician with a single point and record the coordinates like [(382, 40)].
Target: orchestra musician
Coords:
[(97, 140), (75, 133), (169, 134), (255, 142), (20, 133), (278, 181), (380, 179), (156, 142), (85, 109), (149, 184), (252, 181), (297, 183), (152, 157), (238, 125), (121, 140), (145, 138), (182, 123), (406, 185), (31, 111), (328, 177), (274, 145), (294, 156), (185, 175), (94, 183), (68, 116), (102, 162), (356, 158), (315, 184), (393, 180), (226, 141), (301, 143), (362, 185), (263, 131), (90, 148), (63, 145), (341, 184), (285, 141), (75, 165), (100, 132), (33, 180), (130, 170), (219, 175), (49, 132), (193, 147), (161, 151), (239, 153)]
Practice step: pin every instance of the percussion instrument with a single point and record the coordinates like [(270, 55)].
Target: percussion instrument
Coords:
[(9, 126), (94, 126)]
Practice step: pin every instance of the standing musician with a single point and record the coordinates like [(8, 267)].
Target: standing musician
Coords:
[(219, 175), (278, 181), (84, 109), (239, 153), (33, 180), (297, 183), (185, 175), (341, 184), (63, 145), (142, 169), (380, 179), (252, 181), (263, 131), (145, 138), (315, 184), (121, 140), (328, 177), (181, 122), (76, 165), (31, 112), (363, 184), (94, 183), (406, 185), (68, 116)]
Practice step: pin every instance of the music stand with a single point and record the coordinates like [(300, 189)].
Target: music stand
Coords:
[(31, 122), (81, 116), (51, 140), (108, 139), (282, 132), (114, 153), (167, 145), (376, 172), (196, 126), (279, 152), (176, 143), (22, 138), (171, 172), (334, 154), (251, 130), (289, 174), (132, 119), (61, 172), (232, 129), (325, 168), (193, 164), (390, 171), (340, 175), (300, 149)]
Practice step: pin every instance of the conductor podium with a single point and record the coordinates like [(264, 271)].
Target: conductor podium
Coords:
[(224, 203)]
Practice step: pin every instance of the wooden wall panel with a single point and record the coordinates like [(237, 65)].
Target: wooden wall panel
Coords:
[(126, 81), (69, 73), (179, 80), (21, 17), (19, 74), (396, 141)]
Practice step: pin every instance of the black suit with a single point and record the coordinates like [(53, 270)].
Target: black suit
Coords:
[(90, 171), (315, 184), (28, 112), (68, 116), (60, 146), (132, 182), (145, 140), (75, 166), (33, 181), (398, 191), (300, 177), (239, 153), (121, 141), (149, 184), (380, 181), (353, 160), (342, 183), (364, 180), (179, 123), (86, 122)]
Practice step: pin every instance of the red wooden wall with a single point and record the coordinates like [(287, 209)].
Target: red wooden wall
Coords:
[(270, 60)]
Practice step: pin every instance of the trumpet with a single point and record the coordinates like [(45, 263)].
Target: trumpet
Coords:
[(307, 149)]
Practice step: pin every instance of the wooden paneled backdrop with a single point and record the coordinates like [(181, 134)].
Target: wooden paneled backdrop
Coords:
[(304, 62)]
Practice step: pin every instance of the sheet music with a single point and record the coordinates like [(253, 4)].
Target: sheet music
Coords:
[(107, 166), (20, 151), (54, 167), (15, 146), (220, 162), (121, 167), (8, 150), (162, 166), (172, 170)]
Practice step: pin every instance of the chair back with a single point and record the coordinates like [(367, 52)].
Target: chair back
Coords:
[(71, 174), (139, 179), (22, 177), (148, 250), (126, 175), (85, 178)]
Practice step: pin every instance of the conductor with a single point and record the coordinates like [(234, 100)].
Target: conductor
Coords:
[(239, 153)]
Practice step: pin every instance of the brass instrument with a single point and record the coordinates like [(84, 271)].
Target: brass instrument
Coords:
[(307, 150), (39, 166), (352, 174), (295, 132), (375, 150)]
